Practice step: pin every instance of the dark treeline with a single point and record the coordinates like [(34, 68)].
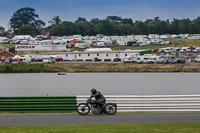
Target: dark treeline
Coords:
[(114, 25), (26, 21)]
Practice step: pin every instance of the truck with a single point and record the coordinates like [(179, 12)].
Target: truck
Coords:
[(197, 59)]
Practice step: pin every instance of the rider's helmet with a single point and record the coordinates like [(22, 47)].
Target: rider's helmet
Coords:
[(93, 91)]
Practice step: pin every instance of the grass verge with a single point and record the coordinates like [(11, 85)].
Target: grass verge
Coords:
[(121, 67), (13, 114), (98, 67), (8, 45), (123, 128), (25, 68)]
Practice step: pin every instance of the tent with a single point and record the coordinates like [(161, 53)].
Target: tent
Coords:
[(178, 37), (80, 40), (74, 40)]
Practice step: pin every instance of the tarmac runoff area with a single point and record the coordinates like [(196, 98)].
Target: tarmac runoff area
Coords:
[(75, 119)]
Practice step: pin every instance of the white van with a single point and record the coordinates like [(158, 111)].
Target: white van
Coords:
[(142, 59), (49, 60), (160, 59), (169, 59), (152, 59), (25, 59)]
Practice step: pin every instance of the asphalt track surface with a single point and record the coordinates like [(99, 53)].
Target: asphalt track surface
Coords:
[(75, 119)]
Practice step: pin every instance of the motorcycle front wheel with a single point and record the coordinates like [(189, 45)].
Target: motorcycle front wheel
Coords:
[(83, 109), (110, 109)]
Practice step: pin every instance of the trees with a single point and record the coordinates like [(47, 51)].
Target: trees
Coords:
[(140, 28), (25, 16), (82, 28), (174, 26), (2, 31), (26, 21), (26, 30), (58, 30), (183, 26), (194, 26), (80, 19), (55, 20), (114, 25), (115, 18), (69, 28)]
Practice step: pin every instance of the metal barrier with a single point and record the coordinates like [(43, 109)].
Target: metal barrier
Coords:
[(38, 104), (125, 103), (151, 103)]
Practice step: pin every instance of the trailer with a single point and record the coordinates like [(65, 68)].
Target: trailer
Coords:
[(131, 59), (169, 59)]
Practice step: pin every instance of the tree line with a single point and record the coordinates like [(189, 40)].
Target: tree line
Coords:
[(26, 21)]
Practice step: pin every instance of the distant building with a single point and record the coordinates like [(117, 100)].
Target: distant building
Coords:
[(5, 54), (103, 56)]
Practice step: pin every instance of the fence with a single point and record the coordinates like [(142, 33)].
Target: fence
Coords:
[(38, 104), (152, 103), (125, 103)]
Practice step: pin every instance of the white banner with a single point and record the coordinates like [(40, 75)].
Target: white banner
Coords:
[(40, 48)]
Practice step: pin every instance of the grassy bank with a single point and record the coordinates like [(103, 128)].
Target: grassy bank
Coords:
[(98, 67), (8, 45), (25, 68), (120, 67), (125, 128)]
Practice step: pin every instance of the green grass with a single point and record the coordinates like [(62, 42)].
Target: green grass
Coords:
[(24, 68), (9, 45), (123, 128), (77, 49), (93, 67), (140, 47)]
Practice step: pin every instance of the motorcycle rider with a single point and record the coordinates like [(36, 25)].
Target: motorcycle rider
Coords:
[(100, 99)]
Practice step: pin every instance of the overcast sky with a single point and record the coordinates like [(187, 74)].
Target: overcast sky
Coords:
[(70, 10)]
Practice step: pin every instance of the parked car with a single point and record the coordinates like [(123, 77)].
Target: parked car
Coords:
[(59, 59), (197, 59), (152, 59), (197, 50), (8, 60), (160, 59), (179, 61)]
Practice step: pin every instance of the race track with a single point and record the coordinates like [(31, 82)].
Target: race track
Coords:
[(75, 119)]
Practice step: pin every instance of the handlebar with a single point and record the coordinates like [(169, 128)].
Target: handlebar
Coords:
[(89, 100)]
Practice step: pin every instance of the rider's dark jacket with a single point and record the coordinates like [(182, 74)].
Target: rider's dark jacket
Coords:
[(98, 96)]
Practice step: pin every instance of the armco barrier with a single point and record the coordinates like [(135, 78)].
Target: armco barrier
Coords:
[(152, 103), (38, 104)]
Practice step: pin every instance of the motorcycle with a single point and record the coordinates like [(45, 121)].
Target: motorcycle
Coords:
[(91, 105)]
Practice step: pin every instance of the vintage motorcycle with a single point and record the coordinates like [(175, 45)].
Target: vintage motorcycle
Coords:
[(91, 105)]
